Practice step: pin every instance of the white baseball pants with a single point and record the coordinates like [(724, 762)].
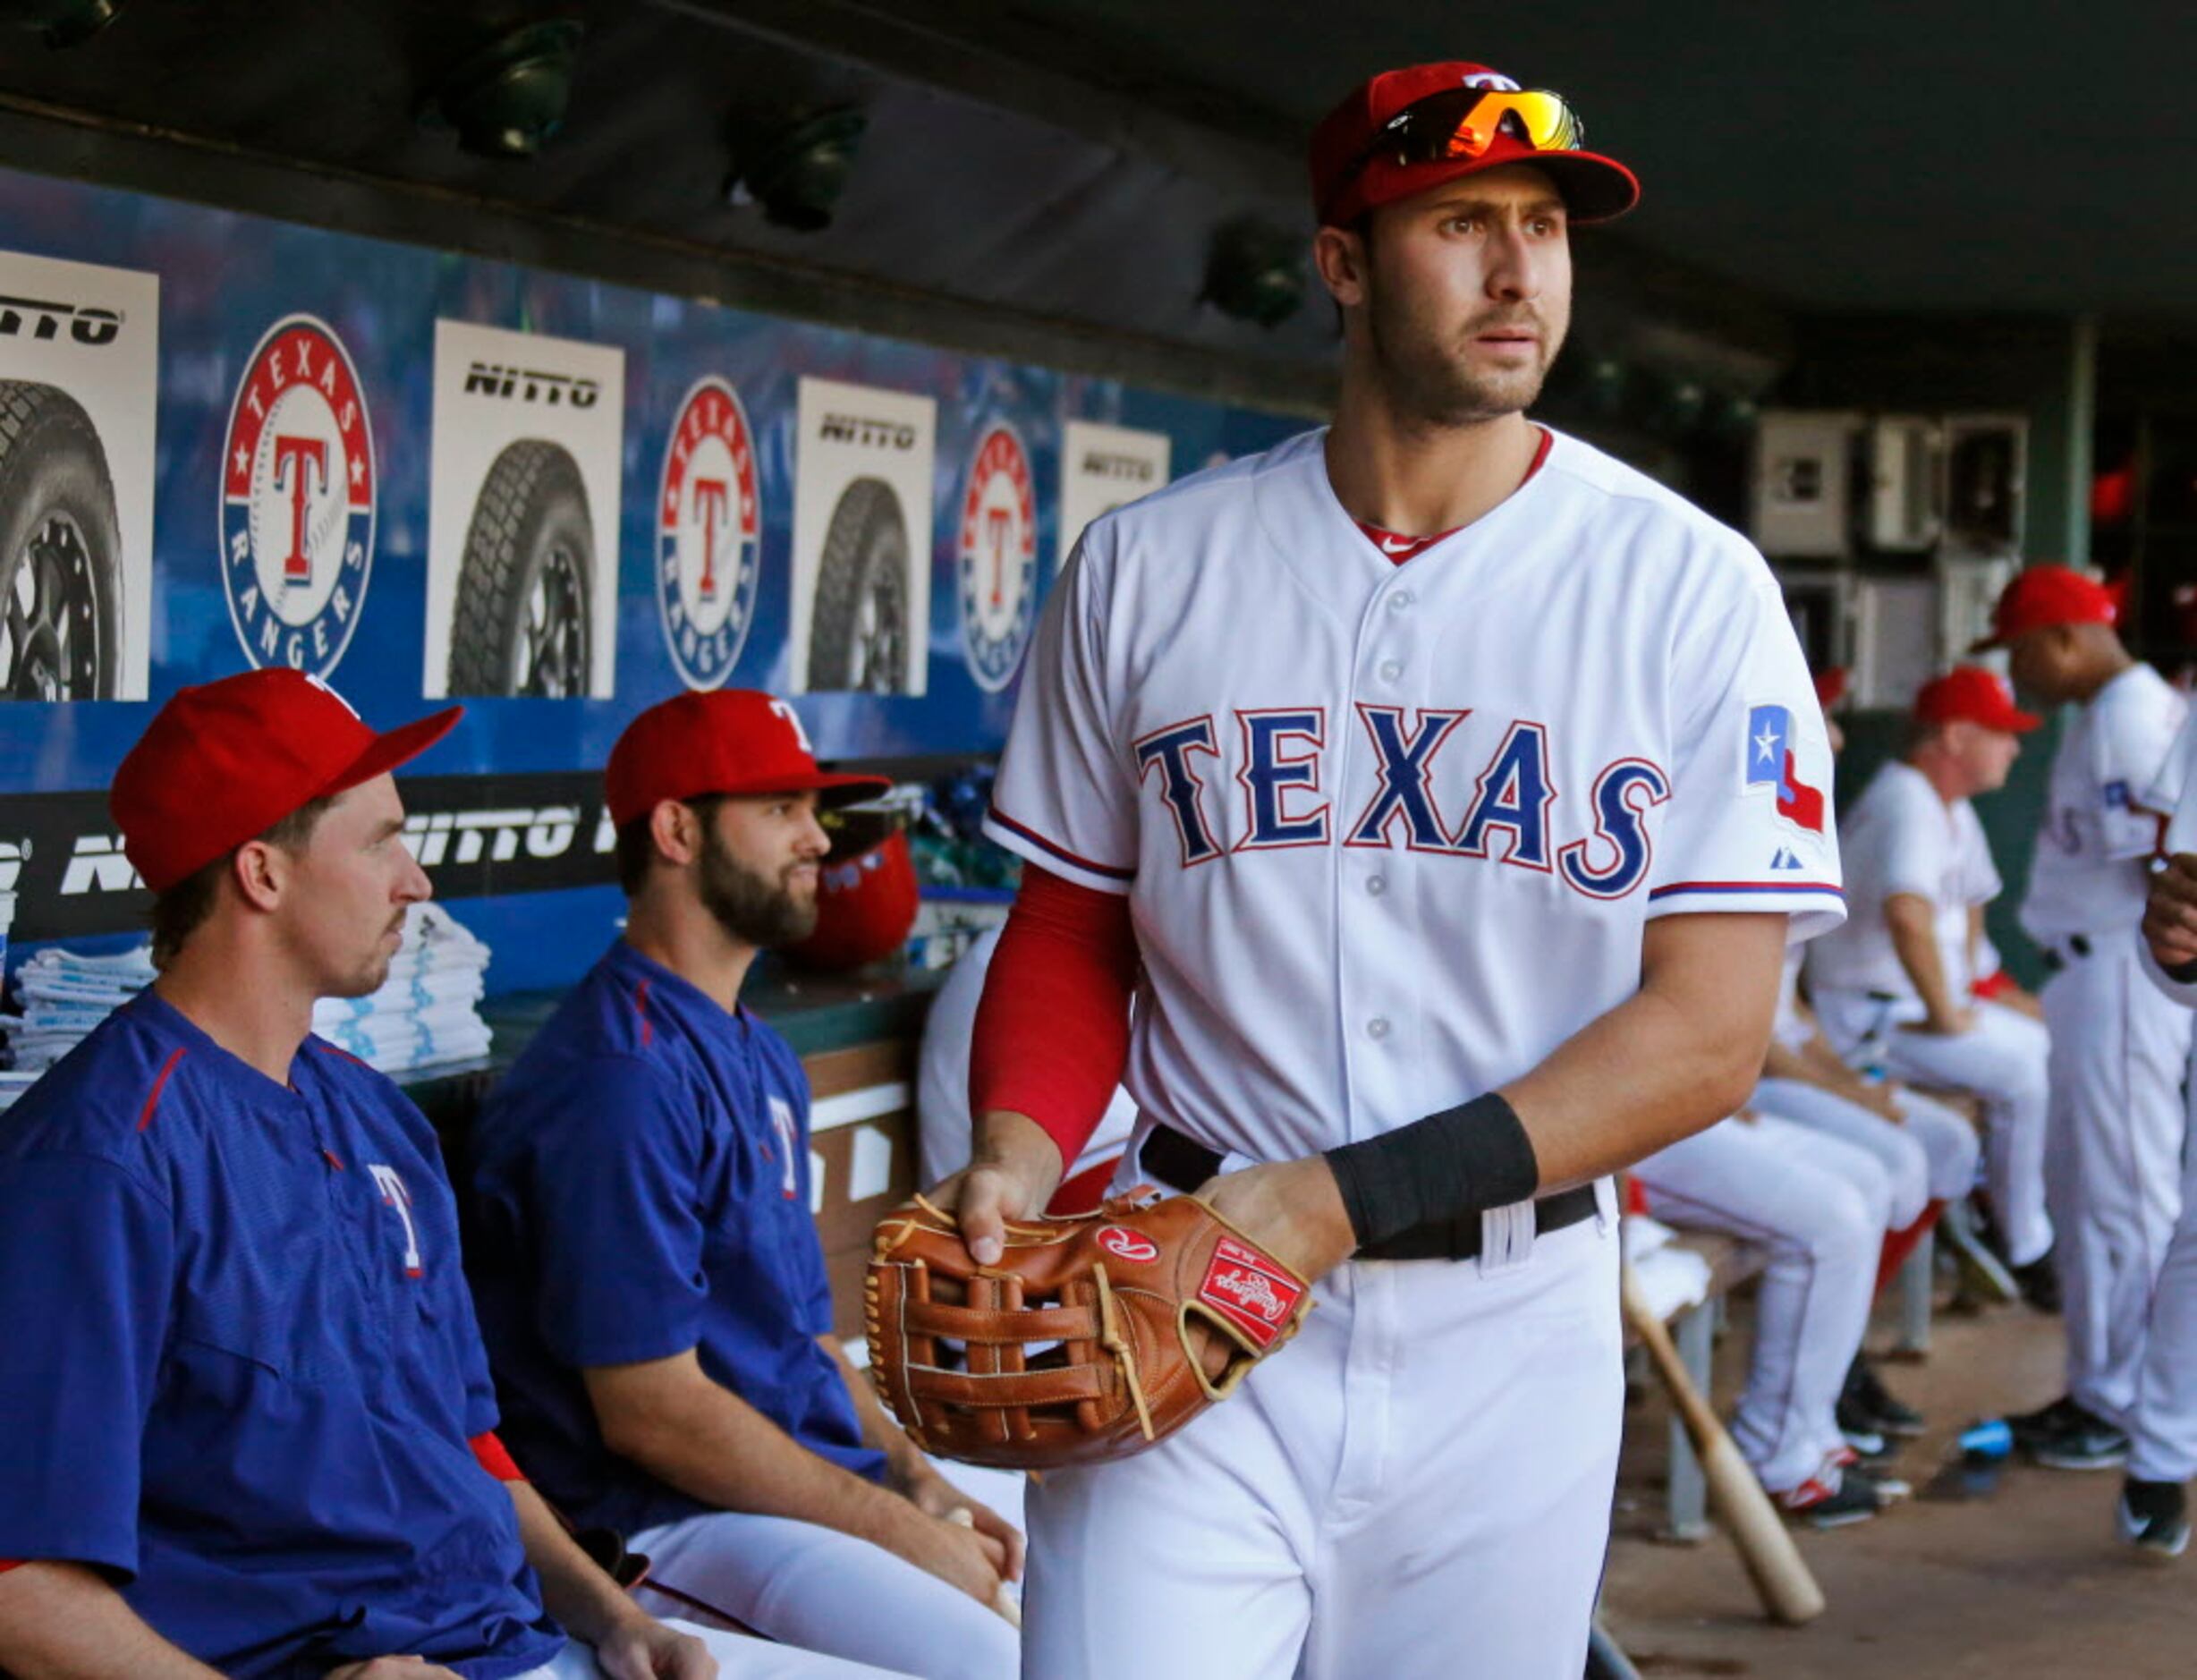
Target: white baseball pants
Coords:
[(2113, 1159), (1819, 1205), (738, 1657), (2163, 1429), (1931, 1156), (2003, 1059), (1418, 1487), (823, 1591)]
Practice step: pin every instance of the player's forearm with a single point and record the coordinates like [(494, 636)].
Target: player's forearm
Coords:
[(712, 1445), (1679, 1054), (63, 1622), (1915, 941), (877, 1427), (587, 1603)]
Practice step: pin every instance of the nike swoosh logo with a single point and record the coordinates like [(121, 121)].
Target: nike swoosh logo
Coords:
[(1395, 544)]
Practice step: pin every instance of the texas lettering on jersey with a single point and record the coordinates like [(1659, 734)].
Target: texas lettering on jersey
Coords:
[(1277, 760)]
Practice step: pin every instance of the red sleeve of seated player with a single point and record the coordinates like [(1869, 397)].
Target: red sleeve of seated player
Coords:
[(494, 1459), (1052, 1032)]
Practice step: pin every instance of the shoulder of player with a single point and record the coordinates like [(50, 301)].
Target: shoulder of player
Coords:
[(130, 1094), (1625, 492), (1173, 514)]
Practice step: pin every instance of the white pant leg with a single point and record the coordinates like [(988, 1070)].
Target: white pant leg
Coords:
[(806, 1585), (1949, 1144), (1764, 1181), (2113, 1163), (1418, 1487), (2163, 1432), (2003, 1059), (1897, 1149), (738, 1657)]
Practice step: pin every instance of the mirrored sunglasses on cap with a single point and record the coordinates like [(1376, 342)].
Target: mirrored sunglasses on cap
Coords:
[(1465, 121)]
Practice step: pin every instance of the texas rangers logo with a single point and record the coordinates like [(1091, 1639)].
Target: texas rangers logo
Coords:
[(998, 558), (1129, 1245), (397, 1194), (297, 499), (1773, 761), (1246, 1289), (708, 518), (789, 1140)]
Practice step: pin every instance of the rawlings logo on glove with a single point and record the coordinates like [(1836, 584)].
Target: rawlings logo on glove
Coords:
[(1078, 1347)]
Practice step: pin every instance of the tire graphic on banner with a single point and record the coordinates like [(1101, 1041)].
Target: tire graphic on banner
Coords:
[(521, 624), (708, 518), (998, 558), (60, 550), (297, 504), (858, 629)]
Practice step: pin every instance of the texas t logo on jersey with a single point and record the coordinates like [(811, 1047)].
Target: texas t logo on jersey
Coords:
[(782, 1124), (397, 1194), (1772, 762)]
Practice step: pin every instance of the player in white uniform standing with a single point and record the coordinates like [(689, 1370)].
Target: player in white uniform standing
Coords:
[(2154, 1510), (1451, 871), (1893, 986), (2119, 1048)]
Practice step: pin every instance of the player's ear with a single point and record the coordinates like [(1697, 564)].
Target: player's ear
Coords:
[(1339, 253), (676, 828), (260, 872)]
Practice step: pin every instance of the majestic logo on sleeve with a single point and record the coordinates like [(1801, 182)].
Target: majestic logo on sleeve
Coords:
[(998, 558), (297, 499), (1772, 762), (708, 518)]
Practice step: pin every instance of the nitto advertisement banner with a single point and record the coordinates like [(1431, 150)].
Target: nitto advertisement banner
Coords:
[(228, 441)]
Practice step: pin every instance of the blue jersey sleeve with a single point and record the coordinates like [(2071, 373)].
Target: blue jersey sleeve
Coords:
[(619, 1238), (87, 1271)]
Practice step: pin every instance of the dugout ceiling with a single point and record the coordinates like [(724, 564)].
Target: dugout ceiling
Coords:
[(1049, 179)]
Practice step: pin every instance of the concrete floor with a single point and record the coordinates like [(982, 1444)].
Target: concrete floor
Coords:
[(2027, 1583)]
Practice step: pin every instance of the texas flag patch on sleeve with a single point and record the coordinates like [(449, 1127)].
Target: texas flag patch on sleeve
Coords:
[(1249, 1290), (1771, 762)]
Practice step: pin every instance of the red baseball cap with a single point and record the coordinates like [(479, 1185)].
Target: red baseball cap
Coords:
[(1831, 683), (865, 907), (1351, 174), (224, 762), (719, 741), (1968, 693), (2044, 596)]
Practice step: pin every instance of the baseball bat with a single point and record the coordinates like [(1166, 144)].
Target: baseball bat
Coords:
[(1788, 1592)]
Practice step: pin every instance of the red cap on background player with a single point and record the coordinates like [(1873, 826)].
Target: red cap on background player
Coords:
[(723, 741), (1406, 131), (1968, 693), (1831, 683), (2045, 596), (225, 761), (865, 905)]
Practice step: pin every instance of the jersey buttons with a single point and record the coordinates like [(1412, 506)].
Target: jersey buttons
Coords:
[(1400, 601), (1375, 885), (1377, 1028), (1391, 669)]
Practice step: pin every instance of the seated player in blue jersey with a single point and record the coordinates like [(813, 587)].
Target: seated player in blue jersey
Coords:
[(650, 1282), (248, 1426)]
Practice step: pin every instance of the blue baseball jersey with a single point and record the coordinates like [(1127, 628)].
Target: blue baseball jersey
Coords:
[(240, 1369), (642, 1182)]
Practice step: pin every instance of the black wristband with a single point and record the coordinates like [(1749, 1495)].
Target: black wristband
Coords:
[(1443, 1169)]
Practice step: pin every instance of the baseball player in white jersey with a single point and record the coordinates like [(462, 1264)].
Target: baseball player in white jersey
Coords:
[(2162, 1425), (1894, 985), (1444, 789), (2119, 1048)]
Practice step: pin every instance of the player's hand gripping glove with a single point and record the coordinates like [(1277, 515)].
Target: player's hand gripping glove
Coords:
[(1077, 1347)]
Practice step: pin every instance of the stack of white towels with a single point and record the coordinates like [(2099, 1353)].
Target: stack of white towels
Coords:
[(428, 1012)]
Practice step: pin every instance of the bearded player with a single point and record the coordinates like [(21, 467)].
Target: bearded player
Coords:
[(1447, 793)]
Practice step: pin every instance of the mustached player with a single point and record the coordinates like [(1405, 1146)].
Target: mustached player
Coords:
[(1443, 789)]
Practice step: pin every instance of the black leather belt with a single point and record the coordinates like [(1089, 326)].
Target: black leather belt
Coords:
[(1183, 1164)]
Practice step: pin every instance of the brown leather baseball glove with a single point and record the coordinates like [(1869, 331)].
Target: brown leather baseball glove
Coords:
[(1077, 1347)]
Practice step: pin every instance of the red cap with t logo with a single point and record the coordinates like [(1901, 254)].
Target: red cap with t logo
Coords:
[(720, 740), (2044, 596), (1968, 693), (224, 762), (1406, 131)]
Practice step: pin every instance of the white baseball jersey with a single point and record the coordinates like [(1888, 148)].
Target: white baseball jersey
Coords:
[(1901, 837), (1392, 833), (2088, 874)]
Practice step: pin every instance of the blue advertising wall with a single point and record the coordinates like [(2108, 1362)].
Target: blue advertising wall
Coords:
[(225, 278)]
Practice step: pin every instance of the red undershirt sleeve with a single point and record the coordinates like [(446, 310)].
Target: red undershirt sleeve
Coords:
[(1052, 1030), (494, 1459)]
